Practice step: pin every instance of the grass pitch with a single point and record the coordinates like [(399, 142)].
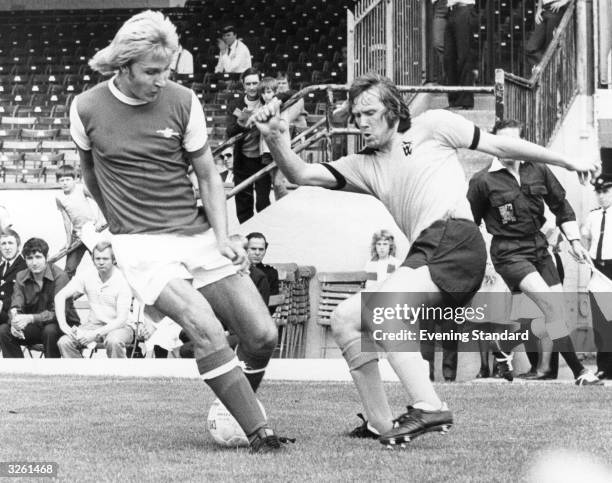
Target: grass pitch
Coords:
[(120, 429)]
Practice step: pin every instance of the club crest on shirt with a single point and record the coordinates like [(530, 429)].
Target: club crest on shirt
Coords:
[(507, 213), (407, 147), (167, 133)]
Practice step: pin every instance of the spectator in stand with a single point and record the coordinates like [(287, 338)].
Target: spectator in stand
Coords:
[(32, 312), (234, 56), (256, 249), (109, 298), (12, 263), (182, 62), (440, 16), (227, 157), (267, 89), (548, 15), (247, 155), (78, 209), (382, 262), (459, 59)]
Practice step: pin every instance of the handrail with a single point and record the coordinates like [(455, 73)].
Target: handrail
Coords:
[(542, 101)]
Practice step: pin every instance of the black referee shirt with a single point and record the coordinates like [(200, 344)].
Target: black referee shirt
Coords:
[(514, 211)]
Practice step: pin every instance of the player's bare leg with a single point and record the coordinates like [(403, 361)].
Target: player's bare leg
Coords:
[(217, 363), (427, 413), (551, 302), (239, 305), (346, 330)]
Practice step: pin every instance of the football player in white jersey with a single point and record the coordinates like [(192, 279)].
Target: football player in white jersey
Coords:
[(412, 167)]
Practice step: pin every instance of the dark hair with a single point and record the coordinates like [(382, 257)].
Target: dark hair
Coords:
[(390, 96), (65, 170), (227, 29), (508, 124), (11, 232), (34, 245), (250, 71), (256, 234)]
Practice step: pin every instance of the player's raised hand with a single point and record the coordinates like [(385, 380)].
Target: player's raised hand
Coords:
[(586, 169), (267, 119), (235, 252)]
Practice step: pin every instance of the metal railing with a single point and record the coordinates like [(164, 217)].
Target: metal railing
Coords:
[(503, 29), (382, 35), (324, 129), (542, 101)]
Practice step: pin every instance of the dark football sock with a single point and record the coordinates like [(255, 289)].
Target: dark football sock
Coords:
[(566, 347), (221, 372), (254, 365)]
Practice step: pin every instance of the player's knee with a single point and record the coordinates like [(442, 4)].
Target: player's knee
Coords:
[(344, 325), (262, 341)]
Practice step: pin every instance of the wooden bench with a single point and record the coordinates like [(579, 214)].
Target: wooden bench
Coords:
[(335, 287)]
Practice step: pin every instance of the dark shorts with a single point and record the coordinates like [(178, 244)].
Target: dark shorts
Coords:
[(515, 258), (456, 256)]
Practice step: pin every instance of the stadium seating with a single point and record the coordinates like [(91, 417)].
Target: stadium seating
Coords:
[(44, 53), (334, 288)]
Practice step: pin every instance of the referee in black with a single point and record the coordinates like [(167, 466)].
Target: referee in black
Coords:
[(510, 198)]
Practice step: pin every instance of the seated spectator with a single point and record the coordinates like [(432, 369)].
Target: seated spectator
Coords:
[(32, 313), (78, 209), (109, 298), (12, 263), (234, 56), (256, 249), (382, 262)]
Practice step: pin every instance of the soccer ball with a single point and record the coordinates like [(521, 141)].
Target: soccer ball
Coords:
[(223, 428)]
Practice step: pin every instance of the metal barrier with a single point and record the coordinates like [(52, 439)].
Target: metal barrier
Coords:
[(324, 130), (504, 28), (382, 35), (542, 101)]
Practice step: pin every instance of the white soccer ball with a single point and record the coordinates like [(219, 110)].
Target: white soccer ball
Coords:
[(223, 428)]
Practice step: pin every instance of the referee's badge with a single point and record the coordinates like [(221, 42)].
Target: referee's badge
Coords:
[(407, 147), (507, 213)]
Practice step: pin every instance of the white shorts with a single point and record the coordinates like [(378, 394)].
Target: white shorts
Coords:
[(149, 262)]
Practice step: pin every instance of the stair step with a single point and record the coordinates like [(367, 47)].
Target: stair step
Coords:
[(481, 101)]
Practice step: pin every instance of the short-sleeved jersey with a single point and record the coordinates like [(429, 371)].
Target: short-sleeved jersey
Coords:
[(420, 180), (140, 154)]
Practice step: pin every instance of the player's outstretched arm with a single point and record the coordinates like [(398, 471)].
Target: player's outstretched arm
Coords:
[(212, 193), (272, 128), (507, 147)]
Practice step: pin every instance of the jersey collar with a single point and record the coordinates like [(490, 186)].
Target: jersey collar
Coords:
[(121, 96)]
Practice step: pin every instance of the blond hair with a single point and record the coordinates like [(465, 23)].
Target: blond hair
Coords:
[(382, 235), (140, 35)]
